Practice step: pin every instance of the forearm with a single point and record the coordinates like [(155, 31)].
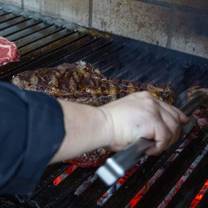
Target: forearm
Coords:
[(86, 129), (118, 124)]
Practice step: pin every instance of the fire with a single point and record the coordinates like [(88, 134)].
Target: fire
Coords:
[(200, 195), (67, 172)]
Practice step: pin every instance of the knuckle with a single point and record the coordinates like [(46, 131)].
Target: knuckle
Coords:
[(167, 135), (176, 114), (176, 126), (178, 117), (146, 94), (150, 102), (162, 147)]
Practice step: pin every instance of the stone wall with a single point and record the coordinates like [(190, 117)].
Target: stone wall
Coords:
[(176, 24)]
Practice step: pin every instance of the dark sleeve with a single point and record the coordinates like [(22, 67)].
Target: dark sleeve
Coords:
[(31, 131)]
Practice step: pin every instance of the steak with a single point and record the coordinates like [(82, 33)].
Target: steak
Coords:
[(8, 52), (81, 83)]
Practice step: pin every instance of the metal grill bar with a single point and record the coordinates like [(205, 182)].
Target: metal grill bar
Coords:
[(23, 42), (12, 22), (7, 17), (18, 27), (32, 59), (2, 13), (37, 27)]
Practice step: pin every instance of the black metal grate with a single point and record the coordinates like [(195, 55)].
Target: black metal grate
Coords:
[(43, 44)]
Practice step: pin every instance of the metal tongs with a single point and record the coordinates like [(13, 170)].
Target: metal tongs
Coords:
[(117, 165)]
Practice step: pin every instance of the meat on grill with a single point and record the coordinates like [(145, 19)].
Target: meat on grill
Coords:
[(8, 51), (83, 84), (200, 114)]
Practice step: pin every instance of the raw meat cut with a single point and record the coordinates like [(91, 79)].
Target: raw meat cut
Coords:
[(8, 52)]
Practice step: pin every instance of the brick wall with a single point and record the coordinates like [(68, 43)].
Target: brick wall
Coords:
[(176, 24)]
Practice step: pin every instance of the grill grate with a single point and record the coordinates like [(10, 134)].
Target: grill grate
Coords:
[(147, 184)]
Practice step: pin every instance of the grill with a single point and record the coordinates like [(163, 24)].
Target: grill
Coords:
[(178, 178)]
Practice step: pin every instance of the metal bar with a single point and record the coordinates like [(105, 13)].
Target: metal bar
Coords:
[(107, 55), (145, 59), (146, 187), (37, 36), (84, 51), (19, 27), (44, 41), (12, 22), (100, 53), (6, 17), (85, 185), (69, 47), (96, 51), (119, 71), (183, 178), (78, 53), (136, 65), (191, 187), (47, 54), (2, 13), (64, 192), (28, 31)]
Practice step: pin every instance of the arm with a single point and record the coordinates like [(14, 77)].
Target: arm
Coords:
[(36, 129)]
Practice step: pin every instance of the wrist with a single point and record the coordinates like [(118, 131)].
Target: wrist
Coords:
[(87, 128), (107, 126)]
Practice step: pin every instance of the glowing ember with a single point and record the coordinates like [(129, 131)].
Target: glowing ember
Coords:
[(200, 195), (109, 193), (67, 172), (183, 179), (139, 195)]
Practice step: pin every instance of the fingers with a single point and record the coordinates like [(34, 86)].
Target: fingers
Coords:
[(162, 139), (173, 125), (176, 113), (183, 118), (141, 115), (168, 128), (173, 120)]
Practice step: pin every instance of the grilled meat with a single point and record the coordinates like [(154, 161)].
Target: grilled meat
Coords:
[(200, 114), (83, 84)]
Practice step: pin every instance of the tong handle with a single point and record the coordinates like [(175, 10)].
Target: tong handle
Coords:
[(131, 155)]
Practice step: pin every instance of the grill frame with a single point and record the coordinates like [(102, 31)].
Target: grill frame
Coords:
[(44, 45)]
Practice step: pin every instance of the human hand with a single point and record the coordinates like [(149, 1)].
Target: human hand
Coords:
[(141, 115)]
